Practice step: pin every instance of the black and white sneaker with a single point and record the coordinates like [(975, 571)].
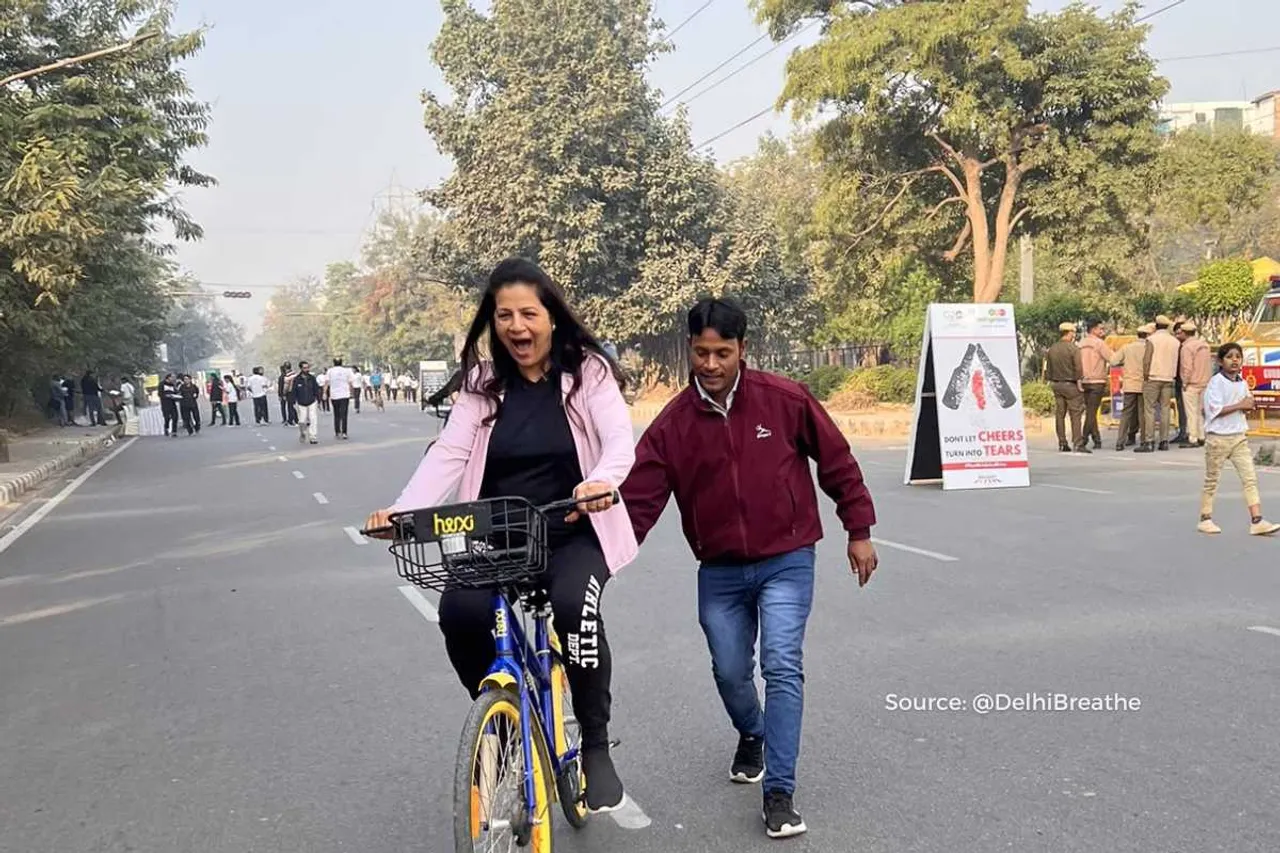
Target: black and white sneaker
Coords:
[(781, 820), (748, 761)]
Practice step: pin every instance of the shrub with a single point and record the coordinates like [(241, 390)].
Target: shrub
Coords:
[(1037, 397), (824, 381), (886, 383)]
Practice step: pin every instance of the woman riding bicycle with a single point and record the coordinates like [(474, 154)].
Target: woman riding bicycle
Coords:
[(543, 420)]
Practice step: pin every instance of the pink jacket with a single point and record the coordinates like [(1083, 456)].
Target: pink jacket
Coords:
[(606, 452)]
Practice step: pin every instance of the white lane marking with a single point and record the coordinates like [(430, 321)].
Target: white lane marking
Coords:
[(354, 536), (1074, 489), (1263, 629), (320, 498), (420, 603), (264, 441), (630, 815), (1179, 464), (298, 475), (35, 517), (272, 447), (933, 555), (283, 458)]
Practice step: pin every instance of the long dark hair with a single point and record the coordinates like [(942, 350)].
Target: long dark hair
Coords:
[(572, 343)]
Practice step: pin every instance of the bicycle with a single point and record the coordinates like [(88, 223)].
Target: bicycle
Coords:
[(501, 543)]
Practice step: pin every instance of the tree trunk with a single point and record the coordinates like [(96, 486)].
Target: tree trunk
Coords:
[(1004, 228), (977, 212)]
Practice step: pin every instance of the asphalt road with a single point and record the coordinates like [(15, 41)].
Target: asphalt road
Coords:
[(195, 656)]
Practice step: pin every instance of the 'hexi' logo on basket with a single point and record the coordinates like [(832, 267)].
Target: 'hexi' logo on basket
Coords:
[(449, 525)]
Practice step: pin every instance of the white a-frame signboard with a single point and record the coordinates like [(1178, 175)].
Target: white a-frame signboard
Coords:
[(968, 431)]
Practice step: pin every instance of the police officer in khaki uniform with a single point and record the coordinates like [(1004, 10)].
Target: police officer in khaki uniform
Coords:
[(1131, 359), (1161, 368), (1065, 372)]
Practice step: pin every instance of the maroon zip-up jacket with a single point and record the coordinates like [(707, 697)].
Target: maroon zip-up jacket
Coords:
[(742, 482)]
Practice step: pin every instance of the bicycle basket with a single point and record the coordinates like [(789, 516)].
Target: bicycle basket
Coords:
[(498, 542)]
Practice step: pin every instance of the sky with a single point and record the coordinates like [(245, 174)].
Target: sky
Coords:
[(317, 123)]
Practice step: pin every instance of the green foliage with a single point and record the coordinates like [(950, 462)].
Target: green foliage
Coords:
[(826, 380), (1038, 322), (1037, 398), (960, 109), (91, 162), (561, 155), (895, 316), (885, 382), (1226, 287)]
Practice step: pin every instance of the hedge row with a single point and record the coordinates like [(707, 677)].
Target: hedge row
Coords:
[(882, 384)]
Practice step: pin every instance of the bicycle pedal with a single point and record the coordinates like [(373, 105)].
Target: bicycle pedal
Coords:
[(615, 743)]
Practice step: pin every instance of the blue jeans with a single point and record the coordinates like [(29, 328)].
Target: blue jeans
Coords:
[(773, 596)]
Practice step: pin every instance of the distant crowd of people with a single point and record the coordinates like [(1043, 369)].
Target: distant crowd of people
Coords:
[(120, 400)]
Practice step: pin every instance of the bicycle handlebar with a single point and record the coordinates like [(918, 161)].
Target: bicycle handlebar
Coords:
[(554, 506)]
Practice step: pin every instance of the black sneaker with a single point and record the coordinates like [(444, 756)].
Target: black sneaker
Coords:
[(748, 761), (781, 820), (604, 788)]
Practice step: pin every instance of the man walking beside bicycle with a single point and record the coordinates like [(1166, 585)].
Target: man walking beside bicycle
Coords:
[(734, 448)]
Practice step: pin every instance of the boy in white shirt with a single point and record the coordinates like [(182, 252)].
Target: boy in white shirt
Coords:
[(338, 381), (1226, 399)]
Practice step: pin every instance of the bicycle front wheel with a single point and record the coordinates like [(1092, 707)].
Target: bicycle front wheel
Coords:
[(491, 811)]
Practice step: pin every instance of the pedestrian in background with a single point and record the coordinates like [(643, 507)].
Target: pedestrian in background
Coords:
[(1065, 371), (58, 401), (1095, 361), (338, 380), (92, 391), (357, 387), (1226, 399), (258, 385), (1132, 359), (1161, 368), (170, 401), (128, 394), (232, 394), (189, 397), (1196, 368), (284, 389), (304, 391), (217, 393)]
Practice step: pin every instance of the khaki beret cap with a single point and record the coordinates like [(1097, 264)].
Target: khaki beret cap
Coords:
[(1066, 327), (1163, 320), (1149, 329), (1189, 326)]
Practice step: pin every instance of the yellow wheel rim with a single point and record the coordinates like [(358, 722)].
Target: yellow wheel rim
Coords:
[(539, 811)]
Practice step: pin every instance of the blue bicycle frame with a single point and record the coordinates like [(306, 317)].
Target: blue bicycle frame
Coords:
[(512, 667)]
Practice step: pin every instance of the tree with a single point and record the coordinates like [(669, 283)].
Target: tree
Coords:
[(971, 104), (198, 330), (92, 156), (296, 327), (561, 155)]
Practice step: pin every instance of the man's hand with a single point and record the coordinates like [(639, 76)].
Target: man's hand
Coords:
[(1248, 403), (863, 560), (591, 489)]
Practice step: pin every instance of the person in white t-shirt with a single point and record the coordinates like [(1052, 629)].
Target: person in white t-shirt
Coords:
[(1226, 399), (258, 387), (338, 379), (357, 387)]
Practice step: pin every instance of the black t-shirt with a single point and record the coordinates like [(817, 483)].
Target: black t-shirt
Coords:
[(531, 450)]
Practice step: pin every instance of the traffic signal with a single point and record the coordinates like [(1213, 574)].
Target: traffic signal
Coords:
[(236, 294)]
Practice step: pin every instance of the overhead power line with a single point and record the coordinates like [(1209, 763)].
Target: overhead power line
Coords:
[(1244, 52), (1151, 15), (749, 63), (722, 134), (680, 26), (712, 72)]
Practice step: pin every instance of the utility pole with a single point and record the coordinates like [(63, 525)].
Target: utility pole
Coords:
[(1027, 273)]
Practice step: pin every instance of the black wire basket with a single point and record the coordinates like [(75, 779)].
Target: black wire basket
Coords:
[(501, 542)]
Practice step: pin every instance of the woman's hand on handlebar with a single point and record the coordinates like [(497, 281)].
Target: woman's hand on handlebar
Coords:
[(378, 525), (591, 489)]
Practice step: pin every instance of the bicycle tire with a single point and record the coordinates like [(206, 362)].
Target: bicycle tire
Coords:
[(467, 799), (570, 782)]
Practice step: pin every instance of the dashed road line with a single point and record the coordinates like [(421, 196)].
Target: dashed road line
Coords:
[(911, 549), (272, 447), (283, 458), (298, 475), (420, 603), (354, 536), (1074, 489), (1263, 629), (320, 498)]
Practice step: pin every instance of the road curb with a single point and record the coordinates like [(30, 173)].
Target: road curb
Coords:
[(16, 488)]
